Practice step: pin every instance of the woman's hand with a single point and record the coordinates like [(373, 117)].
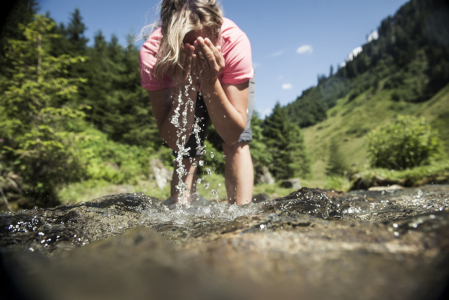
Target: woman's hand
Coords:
[(180, 74), (209, 62)]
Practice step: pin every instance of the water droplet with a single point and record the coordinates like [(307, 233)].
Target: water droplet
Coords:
[(206, 185), (211, 154), (201, 163)]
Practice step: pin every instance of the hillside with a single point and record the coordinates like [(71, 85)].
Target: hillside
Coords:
[(351, 121), (411, 49)]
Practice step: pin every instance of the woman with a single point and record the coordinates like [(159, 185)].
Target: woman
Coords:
[(196, 47)]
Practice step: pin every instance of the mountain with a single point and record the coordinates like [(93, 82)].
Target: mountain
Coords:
[(408, 56), (404, 71)]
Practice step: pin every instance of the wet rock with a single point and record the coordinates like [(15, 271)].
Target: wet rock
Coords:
[(264, 176), (311, 244), (260, 198), (293, 183)]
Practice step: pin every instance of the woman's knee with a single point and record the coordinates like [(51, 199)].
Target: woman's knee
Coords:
[(235, 148)]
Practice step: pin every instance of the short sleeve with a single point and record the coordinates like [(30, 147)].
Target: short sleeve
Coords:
[(148, 61), (238, 68)]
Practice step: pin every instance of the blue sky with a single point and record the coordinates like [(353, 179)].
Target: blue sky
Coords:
[(292, 41)]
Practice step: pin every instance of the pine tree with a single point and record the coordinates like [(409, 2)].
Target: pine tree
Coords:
[(298, 158), (75, 34), (336, 165), (286, 145), (38, 131), (22, 12)]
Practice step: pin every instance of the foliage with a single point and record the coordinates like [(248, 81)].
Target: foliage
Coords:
[(286, 145), (110, 161), (435, 173), (337, 183), (21, 12), (336, 164), (40, 134), (406, 142), (308, 109), (258, 146)]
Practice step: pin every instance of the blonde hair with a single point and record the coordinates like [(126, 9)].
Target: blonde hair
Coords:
[(178, 18)]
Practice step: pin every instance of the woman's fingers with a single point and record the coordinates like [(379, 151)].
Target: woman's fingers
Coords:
[(187, 66), (206, 46), (194, 71), (201, 57)]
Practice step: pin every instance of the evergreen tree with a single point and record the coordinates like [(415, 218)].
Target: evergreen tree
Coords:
[(75, 34), (259, 152), (38, 132), (21, 12), (286, 146), (299, 162), (336, 164)]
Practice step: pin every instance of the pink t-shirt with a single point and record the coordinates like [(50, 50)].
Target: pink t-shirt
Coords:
[(236, 51)]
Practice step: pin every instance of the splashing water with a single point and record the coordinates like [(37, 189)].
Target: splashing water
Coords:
[(181, 187)]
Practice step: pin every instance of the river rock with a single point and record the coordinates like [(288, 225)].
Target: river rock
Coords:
[(310, 244), (264, 176), (293, 183), (386, 188), (159, 173)]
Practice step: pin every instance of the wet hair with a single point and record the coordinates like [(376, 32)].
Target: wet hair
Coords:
[(180, 17)]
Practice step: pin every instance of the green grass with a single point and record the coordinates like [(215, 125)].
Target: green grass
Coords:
[(93, 189), (348, 121), (438, 172), (351, 121)]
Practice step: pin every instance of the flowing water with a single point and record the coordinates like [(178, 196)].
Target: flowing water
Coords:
[(313, 243)]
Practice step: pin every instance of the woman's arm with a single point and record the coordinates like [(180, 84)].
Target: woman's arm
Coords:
[(176, 101), (227, 103)]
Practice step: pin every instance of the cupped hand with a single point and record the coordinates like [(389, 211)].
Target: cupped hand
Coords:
[(209, 62), (180, 73)]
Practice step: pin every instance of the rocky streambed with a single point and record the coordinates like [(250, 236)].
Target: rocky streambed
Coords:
[(311, 244)]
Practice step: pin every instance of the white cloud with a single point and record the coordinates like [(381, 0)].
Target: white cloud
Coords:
[(305, 49), (354, 53), (287, 86), (342, 65), (266, 112), (373, 36), (279, 53)]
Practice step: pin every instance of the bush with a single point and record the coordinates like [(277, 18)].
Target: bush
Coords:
[(406, 142), (337, 183), (436, 173), (336, 164)]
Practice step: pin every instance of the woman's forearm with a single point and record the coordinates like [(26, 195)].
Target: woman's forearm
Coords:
[(227, 120), (178, 123)]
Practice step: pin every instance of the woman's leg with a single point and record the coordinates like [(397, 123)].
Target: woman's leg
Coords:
[(239, 175), (194, 155), (188, 179)]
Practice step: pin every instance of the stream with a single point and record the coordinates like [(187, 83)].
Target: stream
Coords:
[(311, 244)]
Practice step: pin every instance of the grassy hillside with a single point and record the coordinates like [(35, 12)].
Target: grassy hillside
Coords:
[(350, 121)]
